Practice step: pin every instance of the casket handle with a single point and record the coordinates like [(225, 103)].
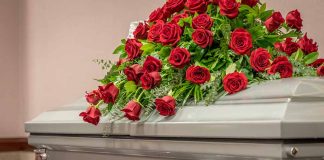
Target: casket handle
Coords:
[(40, 154)]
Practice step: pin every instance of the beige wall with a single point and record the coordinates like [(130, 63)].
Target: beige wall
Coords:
[(59, 38)]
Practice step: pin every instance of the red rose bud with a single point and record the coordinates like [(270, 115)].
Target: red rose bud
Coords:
[(197, 74), (241, 41), (229, 8), (260, 59), (157, 14), (274, 21), (307, 45), (250, 3), (174, 5), (132, 48), (121, 61), (91, 115), (93, 97), (278, 46), (166, 106), (132, 110), (235, 82), (170, 34), (152, 64), (289, 47), (317, 63), (199, 6), (320, 71), (177, 17), (108, 93), (283, 66), (134, 72), (179, 57), (155, 31), (141, 31), (202, 21), (294, 20), (202, 37), (150, 80)]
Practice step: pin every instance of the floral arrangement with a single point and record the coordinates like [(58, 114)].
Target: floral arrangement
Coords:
[(196, 51)]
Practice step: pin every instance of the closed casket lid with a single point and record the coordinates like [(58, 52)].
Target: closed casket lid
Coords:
[(279, 109)]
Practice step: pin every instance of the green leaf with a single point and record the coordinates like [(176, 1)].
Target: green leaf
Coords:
[(265, 15), (123, 41), (310, 58), (147, 47), (297, 56), (119, 49), (231, 68), (165, 52), (130, 86), (263, 7)]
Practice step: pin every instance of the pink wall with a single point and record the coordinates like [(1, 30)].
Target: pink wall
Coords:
[(58, 40)]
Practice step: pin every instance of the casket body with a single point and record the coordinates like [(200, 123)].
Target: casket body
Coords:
[(281, 119)]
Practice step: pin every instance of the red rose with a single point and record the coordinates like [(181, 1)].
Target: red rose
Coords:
[(132, 110), (260, 59), (274, 21), (197, 74), (235, 82), (294, 20), (134, 72), (91, 115), (108, 93), (250, 3), (170, 34), (202, 21), (283, 66), (150, 80), (229, 8), (199, 6), (320, 71), (174, 5), (157, 14), (133, 48), (307, 45), (179, 57), (289, 47), (177, 17), (241, 41), (121, 61), (166, 105), (317, 63), (93, 97), (141, 31), (155, 31), (152, 64), (278, 46), (202, 37)]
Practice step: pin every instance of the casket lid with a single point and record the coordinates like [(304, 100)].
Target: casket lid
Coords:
[(280, 109)]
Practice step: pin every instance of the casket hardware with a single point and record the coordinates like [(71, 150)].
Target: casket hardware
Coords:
[(40, 154)]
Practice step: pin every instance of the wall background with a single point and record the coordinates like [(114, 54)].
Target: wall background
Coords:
[(47, 48)]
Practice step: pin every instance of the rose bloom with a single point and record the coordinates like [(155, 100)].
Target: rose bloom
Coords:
[(150, 80), (294, 20), (229, 8), (317, 63), (132, 48), (179, 57), (202, 37), (260, 59), (141, 31), (250, 3), (155, 31), (134, 72), (241, 41), (307, 45), (108, 93), (157, 14), (288, 46), (176, 18), (274, 21), (174, 5), (281, 65), (93, 97), (132, 110), (197, 74), (235, 82), (166, 105), (152, 64), (202, 21), (320, 71), (199, 6), (170, 34), (91, 115)]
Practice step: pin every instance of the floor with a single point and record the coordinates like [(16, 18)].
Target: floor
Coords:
[(21, 155)]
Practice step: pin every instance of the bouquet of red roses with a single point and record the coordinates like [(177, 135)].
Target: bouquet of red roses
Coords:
[(192, 51)]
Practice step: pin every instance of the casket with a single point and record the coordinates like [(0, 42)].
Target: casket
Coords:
[(278, 119)]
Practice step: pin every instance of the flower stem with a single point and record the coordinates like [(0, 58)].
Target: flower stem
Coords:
[(99, 103), (140, 96)]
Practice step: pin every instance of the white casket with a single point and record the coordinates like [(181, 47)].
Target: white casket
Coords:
[(279, 119)]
